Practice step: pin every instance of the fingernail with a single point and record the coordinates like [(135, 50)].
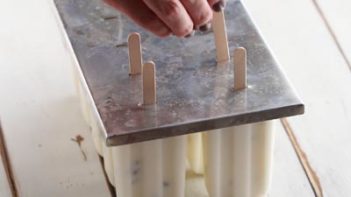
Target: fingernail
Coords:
[(219, 6), (190, 35), (205, 27)]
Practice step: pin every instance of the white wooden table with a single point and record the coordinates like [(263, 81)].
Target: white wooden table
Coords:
[(40, 112), (318, 65)]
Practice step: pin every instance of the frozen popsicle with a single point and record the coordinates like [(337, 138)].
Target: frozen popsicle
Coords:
[(195, 153), (151, 169), (230, 166), (90, 116), (242, 160), (126, 170), (108, 163), (227, 163), (219, 162), (81, 94), (84, 105), (212, 161), (238, 160), (262, 156), (97, 137), (174, 156)]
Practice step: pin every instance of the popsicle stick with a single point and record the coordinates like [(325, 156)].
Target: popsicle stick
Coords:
[(135, 57), (240, 81), (220, 34), (149, 83)]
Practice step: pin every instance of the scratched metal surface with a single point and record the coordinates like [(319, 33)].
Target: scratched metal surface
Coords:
[(193, 93)]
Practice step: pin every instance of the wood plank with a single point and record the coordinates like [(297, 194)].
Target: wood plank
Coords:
[(289, 179), (5, 190), (338, 16), (312, 61), (8, 186), (39, 107)]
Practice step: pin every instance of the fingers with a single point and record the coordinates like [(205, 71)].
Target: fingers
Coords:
[(173, 14), (199, 11), (217, 5), (163, 17), (142, 15)]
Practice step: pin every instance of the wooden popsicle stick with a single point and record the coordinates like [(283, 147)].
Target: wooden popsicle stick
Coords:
[(135, 57), (220, 34), (240, 59), (149, 83)]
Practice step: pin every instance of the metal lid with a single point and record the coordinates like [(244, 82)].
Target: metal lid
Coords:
[(193, 93)]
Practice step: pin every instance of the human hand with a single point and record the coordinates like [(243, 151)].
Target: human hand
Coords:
[(165, 17)]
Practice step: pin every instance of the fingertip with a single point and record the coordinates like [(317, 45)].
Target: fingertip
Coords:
[(173, 14), (163, 33), (218, 6), (190, 35), (184, 31), (156, 26), (199, 10), (161, 30), (206, 27), (203, 18)]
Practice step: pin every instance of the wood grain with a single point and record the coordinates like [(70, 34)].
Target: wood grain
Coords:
[(5, 189), (336, 17), (7, 182), (40, 112), (288, 178), (311, 174), (314, 65)]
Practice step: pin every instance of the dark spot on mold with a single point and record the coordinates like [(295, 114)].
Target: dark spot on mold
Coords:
[(80, 32), (165, 184), (123, 44), (106, 18), (135, 170)]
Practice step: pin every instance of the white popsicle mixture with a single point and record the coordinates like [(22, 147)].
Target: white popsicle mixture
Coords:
[(108, 162), (195, 153), (262, 157), (235, 161), (151, 169), (88, 113), (238, 160)]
